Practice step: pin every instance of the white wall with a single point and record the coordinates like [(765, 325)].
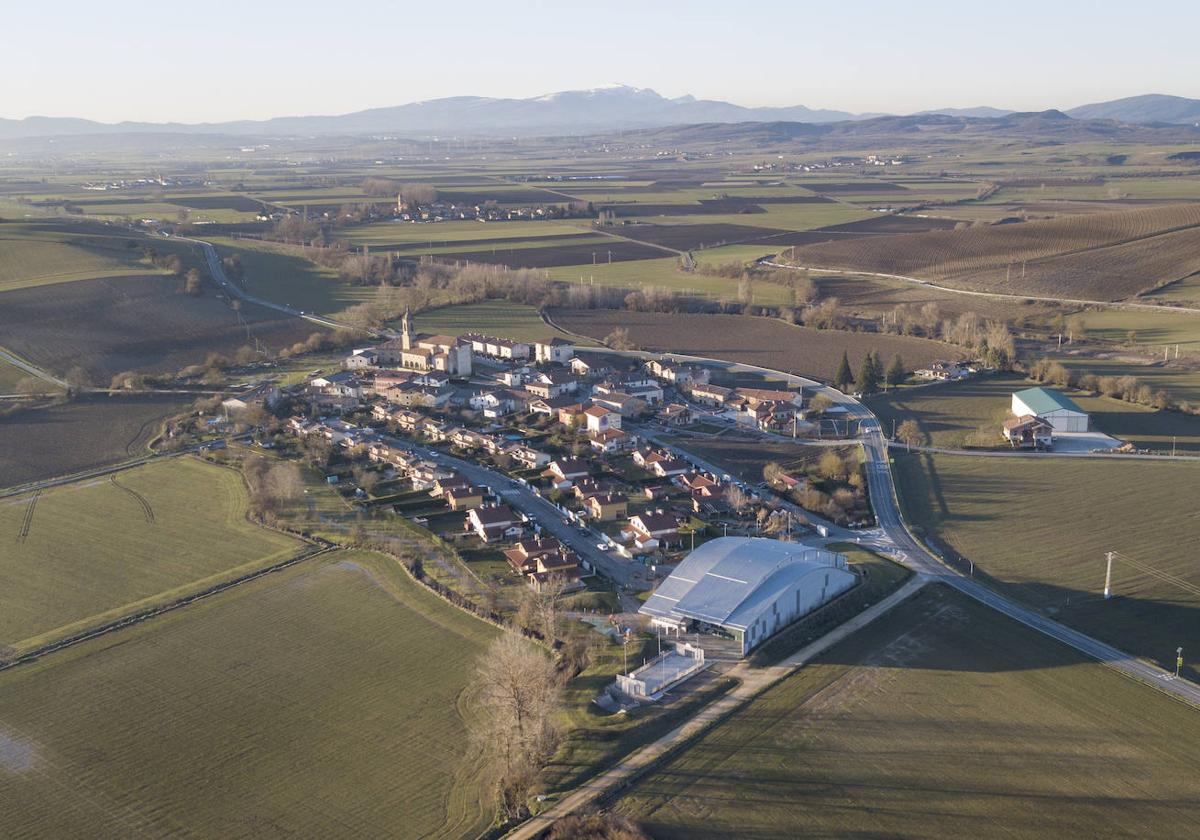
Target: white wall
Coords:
[(796, 601)]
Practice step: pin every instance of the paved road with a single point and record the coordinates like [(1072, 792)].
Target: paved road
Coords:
[(550, 518), (894, 537), (21, 364), (217, 271), (752, 682)]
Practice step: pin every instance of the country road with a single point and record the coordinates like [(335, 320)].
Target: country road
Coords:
[(21, 364)]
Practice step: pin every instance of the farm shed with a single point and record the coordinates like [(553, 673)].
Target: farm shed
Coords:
[(1051, 406), (749, 587)]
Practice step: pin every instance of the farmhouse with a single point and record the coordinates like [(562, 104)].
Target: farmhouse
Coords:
[(748, 587), (1051, 406), (1028, 432)]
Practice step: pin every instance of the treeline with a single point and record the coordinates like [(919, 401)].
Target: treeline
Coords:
[(1127, 388)]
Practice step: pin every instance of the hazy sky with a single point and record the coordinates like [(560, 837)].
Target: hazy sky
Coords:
[(251, 59)]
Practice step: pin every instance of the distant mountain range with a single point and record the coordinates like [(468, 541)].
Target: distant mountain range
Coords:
[(608, 108)]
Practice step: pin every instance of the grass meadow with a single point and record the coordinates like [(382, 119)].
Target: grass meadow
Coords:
[(330, 699), (969, 413), (494, 317), (38, 254), (940, 719), (82, 554), (1038, 529)]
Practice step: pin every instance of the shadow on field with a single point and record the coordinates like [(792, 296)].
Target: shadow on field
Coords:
[(1111, 621)]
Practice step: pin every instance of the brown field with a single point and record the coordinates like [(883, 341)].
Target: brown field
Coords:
[(892, 223), (689, 237), (873, 296), (603, 250), (109, 325), (756, 341), (89, 432), (218, 202), (1103, 255)]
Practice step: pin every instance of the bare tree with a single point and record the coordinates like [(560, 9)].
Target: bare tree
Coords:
[(909, 434), (737, 498), (619, 339), (518, 695)]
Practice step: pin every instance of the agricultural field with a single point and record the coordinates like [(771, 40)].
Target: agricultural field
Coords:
[(113, 324), (10, 375), (386, 235), (330, 699), (37, 254), (42, 443), (493, 317), (85, 553), (1145, 329), (767, 342), (594, 250), (1038, 528), (969, 413), (745, 457), (665, 274), (898, 731), (694, 237), (284, 274), (1103, 256)]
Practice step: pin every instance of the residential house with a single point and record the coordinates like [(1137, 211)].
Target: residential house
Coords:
[(552, 405), (649, 530), (554, 351), (600, 419), (527, 456), (493, 523), (461, 498), (711, 395), (624, 404), (539, 561), (610, 440), (361, 359), (566, 471), (572, 415), (344, 383), (675, 414), (669, 467), (589, 486), (552, 383), (607, 507), (424, 474), (1029, 432), (435, 430), (443, 484)]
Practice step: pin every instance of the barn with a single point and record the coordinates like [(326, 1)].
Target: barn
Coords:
[(747, 587), (1051, 406)]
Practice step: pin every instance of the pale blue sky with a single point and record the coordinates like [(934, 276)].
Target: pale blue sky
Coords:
[(251, 59)]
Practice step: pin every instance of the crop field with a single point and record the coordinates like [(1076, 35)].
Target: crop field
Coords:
[(1180, 379), (493, 317), (969, 413), (89, 552), (1034, 533), (1105, 256), (36, 254), (767, 342), (862, 294), (941, 719), (114, 324), (283, 274), (745, 457), (9, 377), (397, 234), (1141, 327), (665, 274), (692, 237), (601, 249), (892, 223), (1185, 291), (327, 700), (41, 443)]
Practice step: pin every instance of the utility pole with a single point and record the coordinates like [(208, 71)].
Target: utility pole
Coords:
[(1178, 661), (1108, 576)]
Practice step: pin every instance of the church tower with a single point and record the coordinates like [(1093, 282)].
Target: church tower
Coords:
[(406, 330)]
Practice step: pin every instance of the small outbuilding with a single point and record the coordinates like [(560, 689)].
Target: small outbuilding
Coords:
[(1055, 408)]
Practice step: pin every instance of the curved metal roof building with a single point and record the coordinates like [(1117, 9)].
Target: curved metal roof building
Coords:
[(749, 586)]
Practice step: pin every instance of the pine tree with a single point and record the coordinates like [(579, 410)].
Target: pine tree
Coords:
[(896, 371), (843, 379), (877, 366), (868, 381)]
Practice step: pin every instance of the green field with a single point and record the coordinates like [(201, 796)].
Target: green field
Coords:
[(283, 274), (328, 700), (1038, 530), (10, 375), (418, 235), (492, 317), (1151, 330), (969, 413), (940, 720), (37, 254), (95, 550)]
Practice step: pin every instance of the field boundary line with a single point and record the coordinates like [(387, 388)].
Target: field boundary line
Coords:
[(154, 612), (1018, 453)]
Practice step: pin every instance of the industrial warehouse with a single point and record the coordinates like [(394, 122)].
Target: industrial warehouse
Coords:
[(747, 587)]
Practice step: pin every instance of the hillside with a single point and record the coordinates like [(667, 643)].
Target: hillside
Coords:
[(1107, 256), (1148, 108)]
